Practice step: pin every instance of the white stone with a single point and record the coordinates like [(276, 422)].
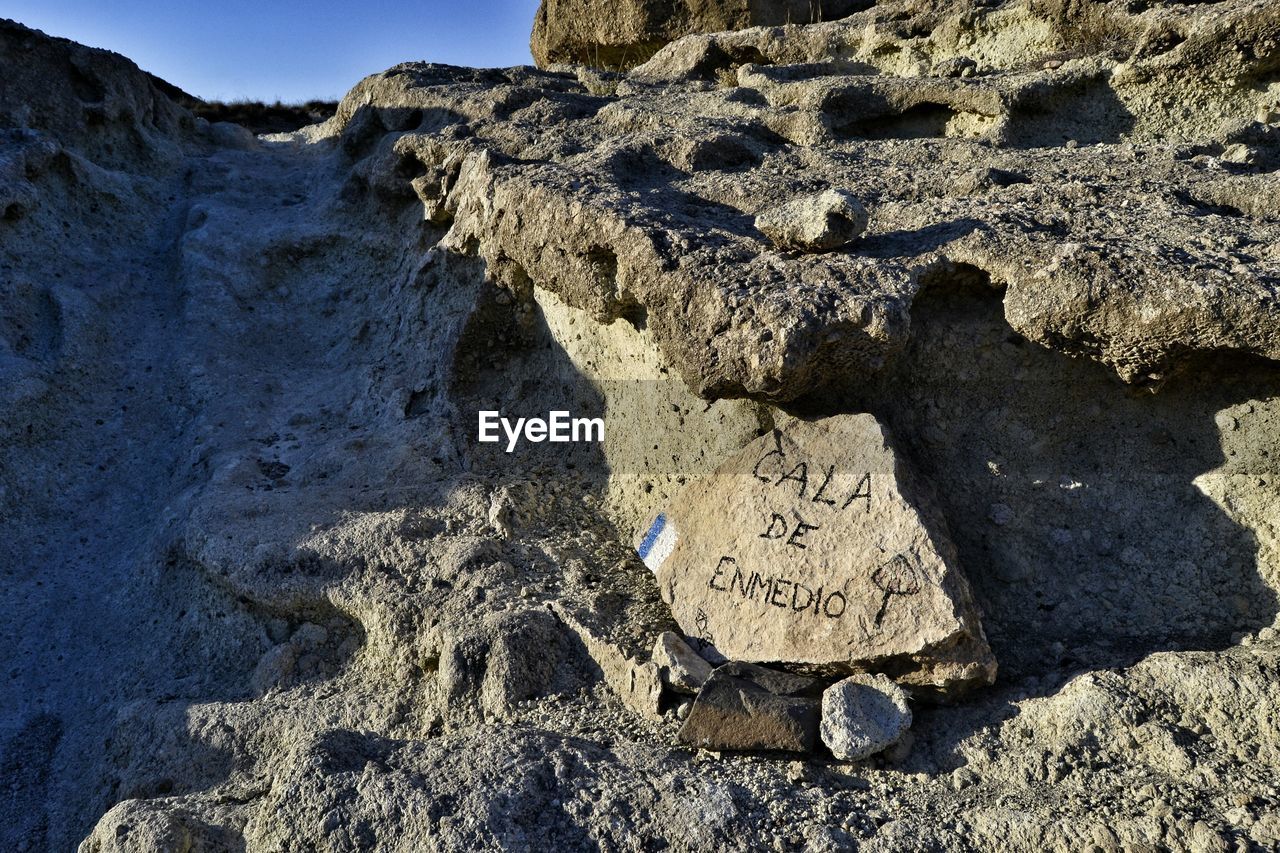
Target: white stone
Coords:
[(683, 671), (863, 715)]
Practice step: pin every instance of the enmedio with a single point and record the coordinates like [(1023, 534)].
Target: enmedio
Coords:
[(558, 427)]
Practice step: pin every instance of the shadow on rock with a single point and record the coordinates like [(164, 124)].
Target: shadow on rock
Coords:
[(1080, 508)]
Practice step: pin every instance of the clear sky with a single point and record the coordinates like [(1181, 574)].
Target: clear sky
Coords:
[(293, 50)]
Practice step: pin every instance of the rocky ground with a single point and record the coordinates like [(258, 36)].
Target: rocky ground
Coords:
[(265, 591)]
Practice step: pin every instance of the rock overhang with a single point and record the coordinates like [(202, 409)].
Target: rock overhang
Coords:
[(737, 318)]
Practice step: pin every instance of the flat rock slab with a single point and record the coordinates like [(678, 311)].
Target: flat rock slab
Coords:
[(863, 715), (816, 545), (748, 707)]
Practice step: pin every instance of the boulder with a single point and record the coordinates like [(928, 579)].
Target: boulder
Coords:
[(622, 35), (814, 223), (748, 707), (816, 545), (863, 715), (683, 670)]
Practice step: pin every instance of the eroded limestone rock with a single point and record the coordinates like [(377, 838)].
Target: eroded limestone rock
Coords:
[(624, 34), (816, 545), (169, 273), (642, 203)]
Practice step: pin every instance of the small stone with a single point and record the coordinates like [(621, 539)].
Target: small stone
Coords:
[(815, 223), (984, 179), (957, 66), (747, 707), (643, 689), (862, 715), (502, 512), (1239, 154), (799, 772), (683, 671), (1000, 514), (963, 777)]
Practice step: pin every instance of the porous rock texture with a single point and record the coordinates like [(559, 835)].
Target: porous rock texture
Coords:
[(264, 591), (863, 715), (620, 35)]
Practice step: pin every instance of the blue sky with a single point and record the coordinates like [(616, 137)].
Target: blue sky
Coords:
[(291, 50)]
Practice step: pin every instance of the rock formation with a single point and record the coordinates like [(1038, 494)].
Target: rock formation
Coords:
[(264, 590), (623, 35)]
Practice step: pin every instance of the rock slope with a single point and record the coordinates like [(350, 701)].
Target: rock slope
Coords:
[(263, 589)]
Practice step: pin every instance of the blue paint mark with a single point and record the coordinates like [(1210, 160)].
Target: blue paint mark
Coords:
[(655, 530)]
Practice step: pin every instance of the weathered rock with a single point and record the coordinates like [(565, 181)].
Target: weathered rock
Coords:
[(501, 660), (748, 707), (645, 203), (94, 101), (171, 437), (863, 715), (814, 223), (816, 545), (637, 683), (625, 34), (683, 670)]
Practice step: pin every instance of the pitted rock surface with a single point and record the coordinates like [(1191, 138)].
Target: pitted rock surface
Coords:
[(620, 35), (863, 715), (642, 202)]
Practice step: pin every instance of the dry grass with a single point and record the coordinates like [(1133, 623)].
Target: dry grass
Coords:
[(1087, 27)]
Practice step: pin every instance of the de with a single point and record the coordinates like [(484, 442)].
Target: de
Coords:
[(779, 526)]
